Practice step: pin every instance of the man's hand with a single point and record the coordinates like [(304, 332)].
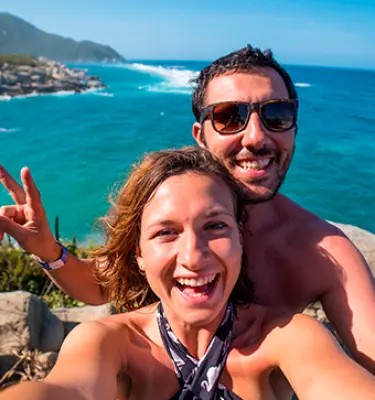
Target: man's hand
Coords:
[(26, 221)]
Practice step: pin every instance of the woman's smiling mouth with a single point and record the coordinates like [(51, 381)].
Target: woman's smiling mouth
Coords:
[(197, 288)]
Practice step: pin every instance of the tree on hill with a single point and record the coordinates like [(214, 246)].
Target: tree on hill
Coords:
[(18, 36), (18, 59)]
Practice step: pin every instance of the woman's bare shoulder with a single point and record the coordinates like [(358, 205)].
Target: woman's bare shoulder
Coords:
[(120, 334), (139, 323)]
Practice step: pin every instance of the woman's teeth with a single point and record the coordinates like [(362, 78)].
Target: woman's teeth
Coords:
[(196, 282), (255, 164)]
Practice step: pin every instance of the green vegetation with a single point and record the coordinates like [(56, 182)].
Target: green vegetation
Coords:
[(18, 59), (20, 37), (18, 271)]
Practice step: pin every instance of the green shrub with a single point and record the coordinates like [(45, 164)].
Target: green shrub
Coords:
[(18, 59), (19, 271)]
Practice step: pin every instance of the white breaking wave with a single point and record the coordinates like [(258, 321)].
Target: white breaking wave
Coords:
[(103, 94), (166, 88), (61, 93), (6, 130), (176, 79), (30, 95)]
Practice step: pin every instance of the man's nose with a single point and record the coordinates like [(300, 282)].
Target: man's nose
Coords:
[(255, 134), (192, 250)]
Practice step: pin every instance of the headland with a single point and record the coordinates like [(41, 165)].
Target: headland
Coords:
[(22, 75)]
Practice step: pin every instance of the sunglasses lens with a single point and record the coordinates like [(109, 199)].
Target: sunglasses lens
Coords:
[(230, 117), (278, 115)]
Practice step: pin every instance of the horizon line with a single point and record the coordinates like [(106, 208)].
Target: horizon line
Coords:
[(182, 60)]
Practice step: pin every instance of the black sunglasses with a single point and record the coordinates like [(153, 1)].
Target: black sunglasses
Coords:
[(229, 117)]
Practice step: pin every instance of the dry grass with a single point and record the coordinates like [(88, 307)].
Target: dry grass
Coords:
[(30, 365)]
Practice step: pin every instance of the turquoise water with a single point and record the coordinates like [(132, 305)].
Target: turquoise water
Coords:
[(78, 146)]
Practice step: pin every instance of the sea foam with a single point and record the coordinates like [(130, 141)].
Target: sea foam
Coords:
[(302, 84), (103, 94), (61, 93), (175, 79), (8, 130)]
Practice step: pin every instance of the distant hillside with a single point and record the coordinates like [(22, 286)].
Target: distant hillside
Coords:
[(20, 37)]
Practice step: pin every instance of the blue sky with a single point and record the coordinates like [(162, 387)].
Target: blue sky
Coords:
[(315, 32)]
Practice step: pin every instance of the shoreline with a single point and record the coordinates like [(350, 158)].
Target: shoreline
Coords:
[(39, 76), (60, 93)]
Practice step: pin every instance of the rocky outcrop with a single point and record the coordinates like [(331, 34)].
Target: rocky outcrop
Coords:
[(31, 334), (44, 76), (26, 322), (363, 240)]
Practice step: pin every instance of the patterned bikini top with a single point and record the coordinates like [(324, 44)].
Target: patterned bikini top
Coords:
[(199, 380)]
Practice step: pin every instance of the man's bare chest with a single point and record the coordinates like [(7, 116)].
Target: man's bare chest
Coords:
[(280, 275)]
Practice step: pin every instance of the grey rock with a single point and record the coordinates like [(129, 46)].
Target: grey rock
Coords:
[(363, 240), (26, 322), (23, 78), (10, 79), (71, 317), (52, 332), (24, 69), (84, 314), (35, 78)]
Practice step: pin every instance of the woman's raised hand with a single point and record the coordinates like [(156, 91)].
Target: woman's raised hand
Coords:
[(26, 220)]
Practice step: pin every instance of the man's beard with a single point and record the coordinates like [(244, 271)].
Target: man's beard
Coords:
[(265, 189), (252, 196), (282, 160)]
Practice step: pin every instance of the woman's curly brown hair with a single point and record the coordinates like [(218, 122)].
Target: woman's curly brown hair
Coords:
[(120, 276)]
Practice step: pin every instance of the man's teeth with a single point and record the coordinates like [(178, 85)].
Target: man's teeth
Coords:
[(255, 164), (196, 282)]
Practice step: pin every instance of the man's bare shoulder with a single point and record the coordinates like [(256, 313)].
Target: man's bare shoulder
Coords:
[(269, 330), (322, 237), (254, 323), (306, 226), (317, 242)]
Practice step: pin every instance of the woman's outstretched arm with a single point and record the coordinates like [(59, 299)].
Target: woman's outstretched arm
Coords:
[(315, 364), (86, 368)]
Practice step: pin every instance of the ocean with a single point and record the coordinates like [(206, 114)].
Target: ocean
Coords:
[(78, 146)]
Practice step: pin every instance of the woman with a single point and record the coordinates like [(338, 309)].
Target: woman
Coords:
[(174, 235)]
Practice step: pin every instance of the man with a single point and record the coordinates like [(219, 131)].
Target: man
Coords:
[(246, 108)]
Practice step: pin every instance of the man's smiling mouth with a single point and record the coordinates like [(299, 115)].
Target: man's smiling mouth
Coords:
[(254, 165)]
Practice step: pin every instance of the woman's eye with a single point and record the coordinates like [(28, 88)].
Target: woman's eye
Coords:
[(166, 232)]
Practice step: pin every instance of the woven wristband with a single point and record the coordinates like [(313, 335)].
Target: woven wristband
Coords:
[(60, 262)]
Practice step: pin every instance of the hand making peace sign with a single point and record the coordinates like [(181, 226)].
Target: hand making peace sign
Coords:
[(26, 221)]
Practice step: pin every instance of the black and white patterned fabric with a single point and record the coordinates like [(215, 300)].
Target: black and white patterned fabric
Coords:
[(199, 380)]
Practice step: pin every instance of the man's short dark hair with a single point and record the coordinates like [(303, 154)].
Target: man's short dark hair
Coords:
[(248, 60)]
